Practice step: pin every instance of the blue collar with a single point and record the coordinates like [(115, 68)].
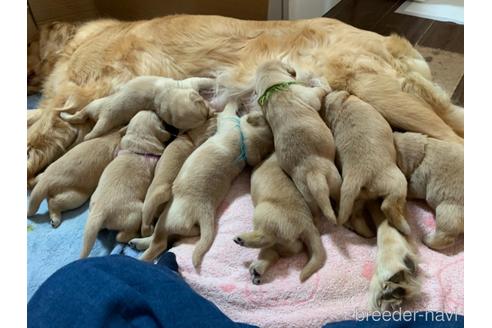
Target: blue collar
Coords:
[(242, 143)]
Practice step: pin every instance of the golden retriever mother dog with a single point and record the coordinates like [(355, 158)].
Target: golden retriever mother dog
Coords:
[(83, 62)]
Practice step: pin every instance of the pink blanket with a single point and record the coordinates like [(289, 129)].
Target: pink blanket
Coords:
[(339, 291)]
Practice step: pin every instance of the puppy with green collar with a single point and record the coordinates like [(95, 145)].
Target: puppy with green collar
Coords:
[(303, 143)]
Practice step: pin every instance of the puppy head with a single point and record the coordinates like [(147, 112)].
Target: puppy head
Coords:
[(258, 137), (333, 105), (184, 109), (272, 72), (201, 133), (44, 51), (410, 150), (145, 134)]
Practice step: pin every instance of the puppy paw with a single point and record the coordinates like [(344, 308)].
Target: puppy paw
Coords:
[(256, 271), (65, 116), (139, 244), (320, 82), (238, 240), (55, 223), (437, 241)]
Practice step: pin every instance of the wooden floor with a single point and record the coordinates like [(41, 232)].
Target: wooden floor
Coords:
[(379, 16)]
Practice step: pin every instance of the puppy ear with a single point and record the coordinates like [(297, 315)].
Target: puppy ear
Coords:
[(256, 119), (195, 96), (122, 131), (163, 135), (212, 113), (253, 157), (290, 70)]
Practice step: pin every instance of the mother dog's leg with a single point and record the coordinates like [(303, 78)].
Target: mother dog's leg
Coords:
[(430, 92), (418, 82), (402, 110), (395, 279)]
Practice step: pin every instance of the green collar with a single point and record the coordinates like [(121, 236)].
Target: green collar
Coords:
[(274, 88)]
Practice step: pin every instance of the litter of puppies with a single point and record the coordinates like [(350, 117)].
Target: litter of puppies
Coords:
[(317, 154)]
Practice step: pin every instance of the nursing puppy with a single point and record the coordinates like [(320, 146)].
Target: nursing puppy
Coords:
[(168, 167), (176, 102), (435, 172), (69, 182), (395, 279), (365, 149), (205, 178), (303, 143), (118, 199), (282, 222)]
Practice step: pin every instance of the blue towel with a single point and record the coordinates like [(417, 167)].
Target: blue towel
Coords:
[(49, 249)]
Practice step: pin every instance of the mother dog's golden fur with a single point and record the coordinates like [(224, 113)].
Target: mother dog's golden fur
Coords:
[(94, 58)]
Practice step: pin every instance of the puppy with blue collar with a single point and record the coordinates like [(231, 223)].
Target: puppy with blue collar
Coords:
[(205, 179)]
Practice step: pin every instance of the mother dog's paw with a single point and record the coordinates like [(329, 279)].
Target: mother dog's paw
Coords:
[(393, 285)]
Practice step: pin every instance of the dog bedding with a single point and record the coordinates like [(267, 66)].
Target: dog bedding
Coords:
[(339, 291)]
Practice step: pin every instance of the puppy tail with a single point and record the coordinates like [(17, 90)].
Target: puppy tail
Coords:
[(206, 239), (318, 187), (348, 194), (92, 227), (154, 199), (39, 193), (316, 251), (77, 118)]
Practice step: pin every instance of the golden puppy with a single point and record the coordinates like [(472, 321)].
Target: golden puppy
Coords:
[(282, 222), (168, 167), (176, 102), (205, 178), (395, 279), (69, 182), (303, 143), (118, 199), (365, 149), (435, 172)]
